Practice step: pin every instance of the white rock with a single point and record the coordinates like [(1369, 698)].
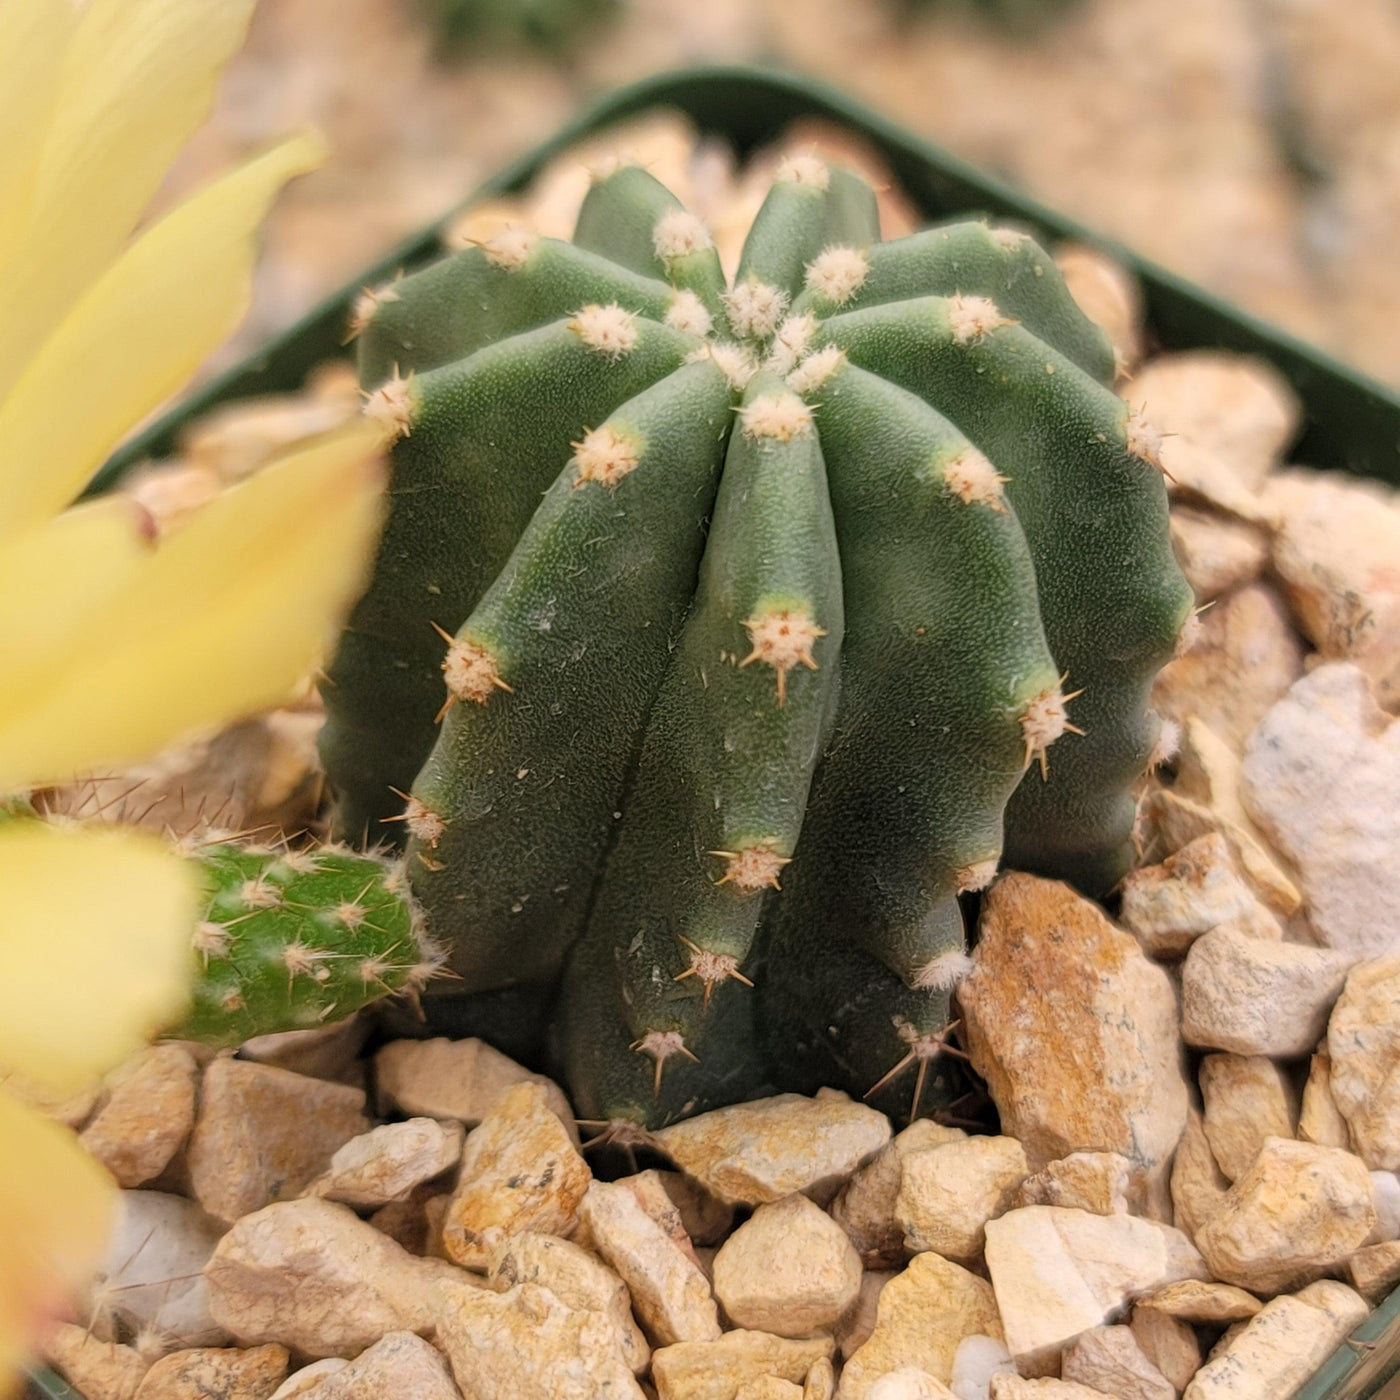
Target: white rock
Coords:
[(789, 1269), (1320, 1120), (525, 1342), (520, 1171), (146, 1114), (98, 1370), (1335, 544), (263, 1133), (386, 1163), (1299, 1208), (1244, 656), (759, 1152), (1170, 1344), (716, 1370), (924, 1315), (304, 1382), (1198, 1186), (1320, 778), (909, 1383), (1168, 906), (978, 1359), (313, 1275), (1074, 1030), (948, 1193), (578, 1278), (1094, 1181), (1257, 997), (670, 1292), (865, 1206), (1276, 1351), (1215, 552), (1057, 1273), (218, 1371), (1109, 1359), (150, 1281), (1386, 1188), (1247, 1099), (1363, 1045), (459, 1079), (401, 1365)]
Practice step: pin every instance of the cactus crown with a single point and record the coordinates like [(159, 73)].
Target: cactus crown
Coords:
[(725, 631)]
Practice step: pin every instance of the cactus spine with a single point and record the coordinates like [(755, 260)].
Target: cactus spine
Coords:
[(759, 606)]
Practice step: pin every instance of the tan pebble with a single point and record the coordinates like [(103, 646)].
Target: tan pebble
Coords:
[(1247, 1099), (400, 1365), (948, 1193), (821, 1381), (1198, 1186), (706, 1220), (387, 1163), (1363, 1045), (262, 1133), (520, 1171), (1074, 1030), (1108, 294), (1207, 1303), (1094, 1181), (1299, 1209), (1042, 1388), (406, 1221), (305, 1382), (909, 1383), (324, 1052), (923, 1315), (1216, 553), (1111, 1360), (854, 1329), (789, 1270), (1320, 1120), (214, 1373), (769, 1388), (759, 1152), (459, 1079), (98, 1370), (670, 1292), (1375, 1270), (146, 1114), (715, 1370), (1170, 1344)]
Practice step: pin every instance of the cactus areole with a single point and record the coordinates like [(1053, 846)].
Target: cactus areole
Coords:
[(723, 634)]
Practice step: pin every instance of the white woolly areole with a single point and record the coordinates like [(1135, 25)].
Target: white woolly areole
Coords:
[(367, 305), (805, 169), (661, 1045), (210, 940), (471, 672), (752, 868), (1143, 439), (780, 416), (259, 894), (605, 456), (423, 823), (978, 875), (791, 342), (816, 369), (1008, 238), (510, 249), (782, 638), (970, 318), (972, 478), (943, 973), (755, 308), (736, 363), (394, 405), (838, 274), (689, 314), (679, 233), (1045, 719), (712, 968), (608, 330)]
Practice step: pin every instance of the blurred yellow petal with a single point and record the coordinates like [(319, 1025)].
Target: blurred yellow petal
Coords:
[(139, 79), (95, 946), (145, 327), (222, 620), (57, 1208), (52, 580), (34, 35)]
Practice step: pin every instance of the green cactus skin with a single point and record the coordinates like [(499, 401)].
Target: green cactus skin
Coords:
[(294, 939), (552, 25), (725, 786)]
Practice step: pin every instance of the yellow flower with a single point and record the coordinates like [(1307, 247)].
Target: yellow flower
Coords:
[(111, 647)]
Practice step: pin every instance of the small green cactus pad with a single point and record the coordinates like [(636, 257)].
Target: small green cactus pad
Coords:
[(293, 939), (722, 629)]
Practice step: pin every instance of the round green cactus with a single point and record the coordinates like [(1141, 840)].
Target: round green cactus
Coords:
[(546, 24), (721, 632)]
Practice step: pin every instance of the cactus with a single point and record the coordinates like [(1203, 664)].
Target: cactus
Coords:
[(759, 606), (547, 24), (292, 939)]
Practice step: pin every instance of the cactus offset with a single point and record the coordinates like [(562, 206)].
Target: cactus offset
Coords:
[(761, 607), (292, 939)]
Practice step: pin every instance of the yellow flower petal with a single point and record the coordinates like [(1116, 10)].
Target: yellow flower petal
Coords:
[(33, 37), (137, 336), (222, 620), (95, 944), (139, 78), (57, 1207), (54, 578)]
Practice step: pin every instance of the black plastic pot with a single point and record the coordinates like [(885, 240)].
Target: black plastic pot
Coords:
[(1350, 421)]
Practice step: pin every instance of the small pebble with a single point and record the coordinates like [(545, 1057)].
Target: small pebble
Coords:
[(386, 1163), (145, 1115), (714, 1370), (1094, 1181), (1247, 1099), (947, 1194), (1363, 1046), (213, 1373)]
